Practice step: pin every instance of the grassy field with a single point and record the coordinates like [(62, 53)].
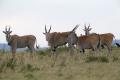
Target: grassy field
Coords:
[(40, 66)]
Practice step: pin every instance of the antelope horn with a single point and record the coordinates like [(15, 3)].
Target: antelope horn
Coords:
[(75, 28), (45, 29), (85, 26), (49, 29), (9, 28), (6, 28), (89, 26)]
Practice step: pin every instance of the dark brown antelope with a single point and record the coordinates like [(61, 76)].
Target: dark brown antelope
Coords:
[(56, 39), (88, 42), (106, 39), (15, 41)]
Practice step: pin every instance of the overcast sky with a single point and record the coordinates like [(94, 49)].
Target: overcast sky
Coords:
[(30, 16)]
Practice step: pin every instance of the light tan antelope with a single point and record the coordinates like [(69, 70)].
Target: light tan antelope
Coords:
[(15, 41)]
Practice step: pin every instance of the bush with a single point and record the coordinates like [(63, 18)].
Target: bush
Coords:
[(47, 51), (63, 48), (103, 59), (44, 52), (97, 59)]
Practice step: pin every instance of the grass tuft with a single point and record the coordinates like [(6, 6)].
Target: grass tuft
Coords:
[(11, 64), (115, 58), (29, 68), (29, 76), (2, 66)]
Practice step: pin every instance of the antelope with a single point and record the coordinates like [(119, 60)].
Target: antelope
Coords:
[(88, 42), (105, 39), (15, 41), (56, 39)]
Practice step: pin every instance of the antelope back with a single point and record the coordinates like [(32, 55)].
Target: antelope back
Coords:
[(106, 38), (58, 39), (88, 41)]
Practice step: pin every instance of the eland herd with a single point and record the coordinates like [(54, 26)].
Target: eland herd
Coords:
[(92, 41)]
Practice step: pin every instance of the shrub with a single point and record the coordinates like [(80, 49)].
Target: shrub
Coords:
[(103, 59), (97, 59), (63, 48), (47, 51), (44, 52)]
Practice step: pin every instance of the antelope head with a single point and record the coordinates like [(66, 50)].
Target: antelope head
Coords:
[(87, 29), (47, 33), (7, 32)]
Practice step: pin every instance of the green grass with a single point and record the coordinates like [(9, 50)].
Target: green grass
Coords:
[(41, 66)]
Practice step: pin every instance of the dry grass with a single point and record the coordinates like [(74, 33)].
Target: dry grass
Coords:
[(88, 66)]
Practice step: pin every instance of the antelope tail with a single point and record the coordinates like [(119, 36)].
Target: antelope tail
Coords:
[(37, 47), (114, 40)]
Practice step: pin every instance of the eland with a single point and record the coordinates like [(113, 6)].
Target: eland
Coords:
[(88, 42), (56, 39), (105, 39), (15, 41)]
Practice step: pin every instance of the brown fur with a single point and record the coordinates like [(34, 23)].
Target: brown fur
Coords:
[(88, 42), (22, 42), (56, 39), (106, 39)]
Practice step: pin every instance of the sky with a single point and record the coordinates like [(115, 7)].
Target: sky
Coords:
[(30, 17)]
